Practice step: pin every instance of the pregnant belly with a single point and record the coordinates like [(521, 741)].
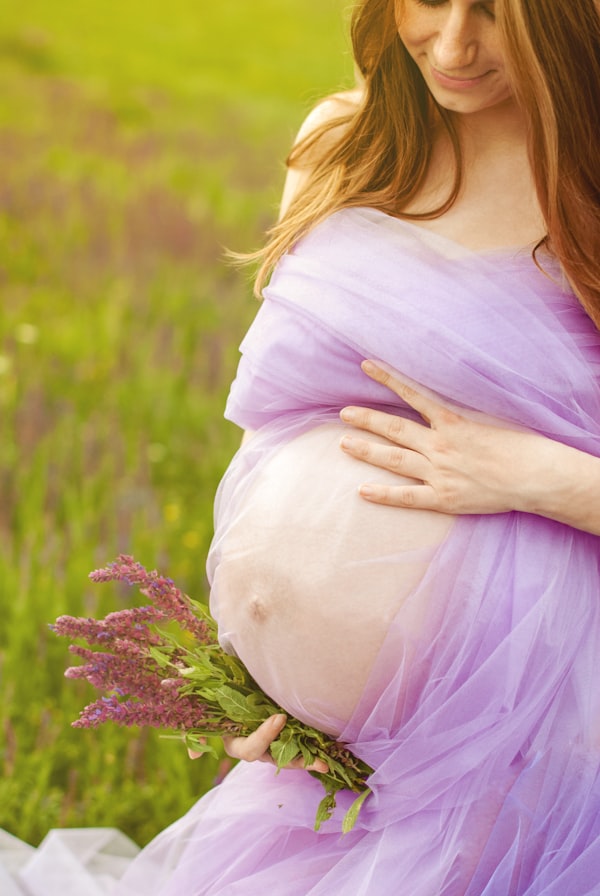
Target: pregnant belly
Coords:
[(307, 576)]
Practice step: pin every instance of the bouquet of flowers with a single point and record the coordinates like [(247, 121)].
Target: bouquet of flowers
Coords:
[(161, 666)]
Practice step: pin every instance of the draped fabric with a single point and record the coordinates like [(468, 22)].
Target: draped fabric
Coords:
[(458, 657)]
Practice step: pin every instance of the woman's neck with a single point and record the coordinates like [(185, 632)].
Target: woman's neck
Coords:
[(495, 132), (497, 204)]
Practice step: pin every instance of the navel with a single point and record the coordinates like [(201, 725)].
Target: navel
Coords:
[(257, 607)]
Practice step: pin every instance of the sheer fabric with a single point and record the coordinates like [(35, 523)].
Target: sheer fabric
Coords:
[(458, 657)]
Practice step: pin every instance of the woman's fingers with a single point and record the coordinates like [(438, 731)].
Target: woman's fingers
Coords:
[(432, 411), (395, 429), (255, 747), (426, 407), (408, 447), (398, 460), (409, 464), (317, 766), (195, 754), (417, 497)]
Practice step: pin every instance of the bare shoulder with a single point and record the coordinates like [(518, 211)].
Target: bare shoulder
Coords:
[(328, 118), (336, 107)]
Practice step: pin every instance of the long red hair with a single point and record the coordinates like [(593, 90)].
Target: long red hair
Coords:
[(378, 154)]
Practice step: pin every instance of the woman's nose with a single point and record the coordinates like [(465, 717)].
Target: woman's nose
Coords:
[(455, 46)]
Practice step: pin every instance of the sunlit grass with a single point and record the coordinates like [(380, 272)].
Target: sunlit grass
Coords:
[(136, 140)]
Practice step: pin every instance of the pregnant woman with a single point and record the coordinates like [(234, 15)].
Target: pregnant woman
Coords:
[(442, 220)]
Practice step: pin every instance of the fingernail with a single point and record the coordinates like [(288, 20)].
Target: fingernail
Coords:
[(366, 491), (346, 442), (368, 367), (348, 415), (279, 720)]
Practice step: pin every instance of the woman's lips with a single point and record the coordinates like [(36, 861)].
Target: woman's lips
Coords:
[(454, 83)]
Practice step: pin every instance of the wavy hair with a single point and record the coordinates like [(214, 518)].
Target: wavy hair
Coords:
[(553, 52), (378, 154)]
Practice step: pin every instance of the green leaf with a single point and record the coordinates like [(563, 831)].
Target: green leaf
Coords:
[(236, 706), (307, 756), (352, 813), (257, 699), (325, 810), (159, 658), (283, 752), (198, 746)]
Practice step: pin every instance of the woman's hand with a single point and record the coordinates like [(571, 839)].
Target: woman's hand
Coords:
[(255, 747), (462, 466)]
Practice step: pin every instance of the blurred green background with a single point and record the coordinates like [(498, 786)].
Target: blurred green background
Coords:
[(136, 141)]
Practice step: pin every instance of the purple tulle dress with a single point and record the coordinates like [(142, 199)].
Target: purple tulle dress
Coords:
[(459, 657)]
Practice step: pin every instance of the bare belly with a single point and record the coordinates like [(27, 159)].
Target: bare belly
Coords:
[(310, 576)]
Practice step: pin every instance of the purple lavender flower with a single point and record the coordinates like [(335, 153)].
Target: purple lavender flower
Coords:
[(139, 667), (129, 672), (132, 624), (181, 714), (162, 591)]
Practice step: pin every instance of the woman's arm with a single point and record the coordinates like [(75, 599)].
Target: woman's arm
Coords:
[(462, 466)]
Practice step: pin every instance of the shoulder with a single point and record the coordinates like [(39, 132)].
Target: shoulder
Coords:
[(334, 109), (320, 130)]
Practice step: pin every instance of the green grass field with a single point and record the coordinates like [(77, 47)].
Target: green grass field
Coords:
[(136, 141)]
